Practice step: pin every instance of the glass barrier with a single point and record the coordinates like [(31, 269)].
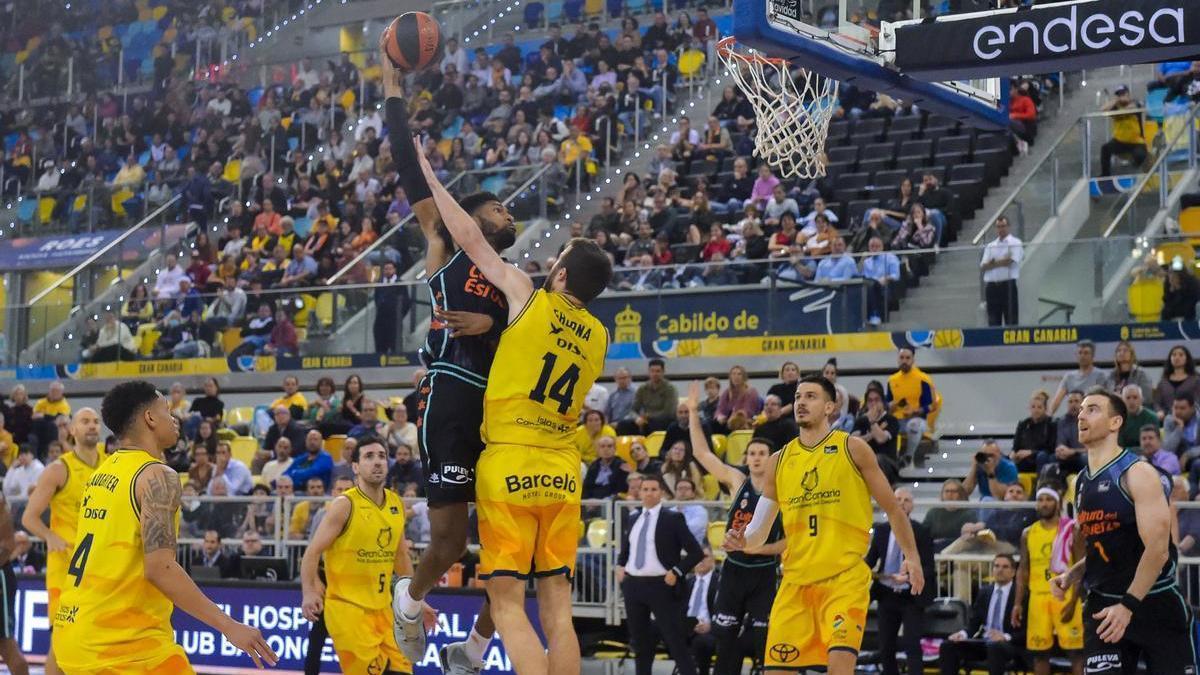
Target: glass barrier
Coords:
[(1086, 281)]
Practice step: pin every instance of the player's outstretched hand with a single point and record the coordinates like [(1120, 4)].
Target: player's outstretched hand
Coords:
[(56, 544), (388, 72), (1114, 619), (1059, 586), (916, 576), (735, 540), (464, 323), (693, 399), (251, 641)]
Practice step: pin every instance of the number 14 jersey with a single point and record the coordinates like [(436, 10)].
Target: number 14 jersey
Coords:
[(548, 359)]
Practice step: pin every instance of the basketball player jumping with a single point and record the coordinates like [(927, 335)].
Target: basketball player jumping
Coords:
[(1046, 552), (114, 616), (362, 539), (823, 481), (1128, 561), (748, 577), (469, 314), (528, 486), (60, 487)]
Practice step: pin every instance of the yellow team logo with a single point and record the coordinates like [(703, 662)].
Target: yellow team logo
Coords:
[(810, 480), (385, 538), (628, 326)]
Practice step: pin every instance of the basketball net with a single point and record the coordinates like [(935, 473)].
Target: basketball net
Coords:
[(792, 109)]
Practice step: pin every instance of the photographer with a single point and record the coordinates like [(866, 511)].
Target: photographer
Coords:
[(992, 472)]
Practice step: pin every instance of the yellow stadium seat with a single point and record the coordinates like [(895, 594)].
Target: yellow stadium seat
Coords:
[(158, 12), (1189, 224), (718, 444), (104, 33), (118, 200), (1165, 253), (443, 146), (241, 415), (22, 56), (231, 338), (690, 62), (33, 43), (624, 446), (395, 402), (286, 122), (46, 209), (597, 533), (183, 478), (79, 204), (325, 308), (716, 537), (306, 308), (711, 486), (347, 100), (1145, 297), (244, 448), (735, 446), (226, 434), (233, 171), (654, 442), (149, 338), (1026, 480), (593, 7), (333, 445)]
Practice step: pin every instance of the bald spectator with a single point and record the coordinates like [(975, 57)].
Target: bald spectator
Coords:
[(342, 466), (314, 463), (1139, 416), (777, 425), (27, 560), (618, 409), (284, 425), (607, 475), (283, 459), (166, 286), (992, 472), (292, 397)]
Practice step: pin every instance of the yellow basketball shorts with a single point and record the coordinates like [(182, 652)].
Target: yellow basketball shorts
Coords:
[(56, 579), (527, 500), (162, 659), (363, 639), (809, 621), (1043, 623)]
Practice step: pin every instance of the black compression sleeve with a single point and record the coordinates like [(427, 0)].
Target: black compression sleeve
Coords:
[(404, 156)]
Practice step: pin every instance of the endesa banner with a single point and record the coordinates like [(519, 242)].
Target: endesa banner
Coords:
[(1047, 38), (275, 610)]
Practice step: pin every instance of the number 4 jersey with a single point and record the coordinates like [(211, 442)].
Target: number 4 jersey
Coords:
[(548, 359), (109, 616)]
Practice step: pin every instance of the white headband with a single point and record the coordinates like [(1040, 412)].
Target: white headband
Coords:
[(1049, 492)]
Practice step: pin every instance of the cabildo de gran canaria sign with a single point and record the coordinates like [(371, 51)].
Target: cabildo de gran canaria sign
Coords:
[(1045, 38)]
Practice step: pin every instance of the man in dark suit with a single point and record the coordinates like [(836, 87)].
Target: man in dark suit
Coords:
[(651, 569), (212, 554), (701, 593), (990, 635), (897, 606)]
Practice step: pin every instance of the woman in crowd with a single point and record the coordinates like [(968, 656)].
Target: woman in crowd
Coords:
[(739, 403), (785, 388), (323, 408), (676, 465), (594, 425), (138, 309), (1127, 371), (1179, 375), (1034, 434)]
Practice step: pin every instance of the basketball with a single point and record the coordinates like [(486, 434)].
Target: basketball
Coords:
[(413, 41)]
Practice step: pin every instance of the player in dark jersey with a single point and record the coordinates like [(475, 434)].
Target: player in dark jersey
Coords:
[(1127, 561), (468, 317), (747, 587)]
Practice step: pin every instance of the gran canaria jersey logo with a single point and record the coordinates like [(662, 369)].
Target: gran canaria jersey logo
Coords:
[(810, 480)]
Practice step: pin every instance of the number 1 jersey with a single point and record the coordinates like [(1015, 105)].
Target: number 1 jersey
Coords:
[(548, 359)]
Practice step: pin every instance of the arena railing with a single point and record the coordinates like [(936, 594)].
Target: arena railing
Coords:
[(50, 328), (962, 564)]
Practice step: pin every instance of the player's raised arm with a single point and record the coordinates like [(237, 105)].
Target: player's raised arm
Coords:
[(515, 284), (337, 512), (755, 534), (51, 480), (437, 248), (864, 458), (157, 495), (729, 476)]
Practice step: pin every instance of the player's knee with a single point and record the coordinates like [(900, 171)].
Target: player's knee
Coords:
[(725, 626)]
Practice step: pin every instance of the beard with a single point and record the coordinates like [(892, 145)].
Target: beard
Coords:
[(502, 238)]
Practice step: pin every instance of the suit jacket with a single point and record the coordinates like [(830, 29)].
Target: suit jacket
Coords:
[(671, 540), (225, 563), (877, 556), (979, 611), (713, 584)]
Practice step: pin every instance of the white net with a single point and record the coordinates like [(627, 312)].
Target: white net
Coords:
[(792, 109)]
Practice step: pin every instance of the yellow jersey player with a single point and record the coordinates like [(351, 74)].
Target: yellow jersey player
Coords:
[(823, 482), (528, 485), (362, 538), (123, 583), (60, 487), (1046, 548)]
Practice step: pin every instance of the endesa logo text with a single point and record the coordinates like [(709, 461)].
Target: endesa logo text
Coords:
[(1080, 30)]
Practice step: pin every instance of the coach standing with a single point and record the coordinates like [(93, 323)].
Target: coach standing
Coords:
[(651, 572), (897, 606), (1001, 264)]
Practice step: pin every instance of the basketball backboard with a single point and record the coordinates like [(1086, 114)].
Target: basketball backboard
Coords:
[(841, 38)]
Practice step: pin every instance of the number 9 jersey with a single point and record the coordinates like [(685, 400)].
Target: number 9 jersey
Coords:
[(548, 359)]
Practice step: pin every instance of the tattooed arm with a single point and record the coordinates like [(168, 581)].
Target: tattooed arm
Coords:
[(157, 494)]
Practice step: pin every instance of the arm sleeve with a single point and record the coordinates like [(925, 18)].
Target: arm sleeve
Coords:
[(404, 156)]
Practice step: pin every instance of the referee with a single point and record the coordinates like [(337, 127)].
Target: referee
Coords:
[(747, 586), (1133, 608)]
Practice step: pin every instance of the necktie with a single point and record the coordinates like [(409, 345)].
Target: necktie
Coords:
[(639, 557), (697, 596), (892, 564), (996, 622)]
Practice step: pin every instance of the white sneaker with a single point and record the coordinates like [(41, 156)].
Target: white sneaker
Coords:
[(410, 633), (455, 660)]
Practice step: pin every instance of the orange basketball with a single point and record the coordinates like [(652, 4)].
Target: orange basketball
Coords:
[(413, 41)]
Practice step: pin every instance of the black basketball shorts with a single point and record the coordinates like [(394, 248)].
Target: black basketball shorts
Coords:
[(1160, 632), (450, 412)]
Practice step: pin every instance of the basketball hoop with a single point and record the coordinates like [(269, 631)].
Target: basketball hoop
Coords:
[(792, 109)]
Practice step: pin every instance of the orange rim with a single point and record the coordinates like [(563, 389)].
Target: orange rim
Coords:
[(725, 47)]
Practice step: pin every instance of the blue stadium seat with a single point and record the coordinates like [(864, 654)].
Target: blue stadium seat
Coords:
[(554, 12), (25, 210), (573, 9), (533, 15), (144, 158), (615, 7), (254, 96)]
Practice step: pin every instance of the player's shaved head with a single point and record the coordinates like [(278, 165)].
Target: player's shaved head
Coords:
[(85, 427)]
